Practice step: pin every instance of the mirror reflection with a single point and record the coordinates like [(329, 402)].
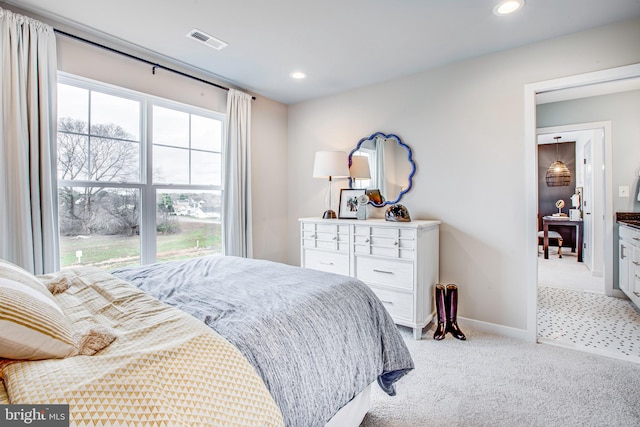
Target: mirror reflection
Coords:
[(384, 163)]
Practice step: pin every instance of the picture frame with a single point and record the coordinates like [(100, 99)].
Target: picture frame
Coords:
[(374, 196), (348, 208), (579, 191)]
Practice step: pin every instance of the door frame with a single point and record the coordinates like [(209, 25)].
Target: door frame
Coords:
[(531, 173)]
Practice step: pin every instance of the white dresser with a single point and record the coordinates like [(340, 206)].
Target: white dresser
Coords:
[(398, 260)]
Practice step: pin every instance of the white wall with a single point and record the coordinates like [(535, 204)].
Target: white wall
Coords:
[(465, 123)]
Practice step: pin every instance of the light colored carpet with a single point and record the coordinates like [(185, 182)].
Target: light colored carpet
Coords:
[(490, 380)]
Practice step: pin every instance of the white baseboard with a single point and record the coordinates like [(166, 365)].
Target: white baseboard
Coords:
[(494, 328)]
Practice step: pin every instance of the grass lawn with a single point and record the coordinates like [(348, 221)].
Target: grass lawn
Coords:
[(196, 238)]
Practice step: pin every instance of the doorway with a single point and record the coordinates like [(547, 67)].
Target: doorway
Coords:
[(573, 310), (558, 87), (584, 147)]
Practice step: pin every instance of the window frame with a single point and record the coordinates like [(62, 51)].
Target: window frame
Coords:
[(147, 188)]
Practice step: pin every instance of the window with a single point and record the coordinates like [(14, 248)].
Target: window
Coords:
[(139, 178)]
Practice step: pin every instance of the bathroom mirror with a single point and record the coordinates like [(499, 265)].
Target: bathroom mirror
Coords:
[(391, 167)]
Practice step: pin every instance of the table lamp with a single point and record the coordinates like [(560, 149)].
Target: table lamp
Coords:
[(330, 164)]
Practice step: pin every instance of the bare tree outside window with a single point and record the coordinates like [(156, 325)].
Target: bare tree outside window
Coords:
[(110, 157)]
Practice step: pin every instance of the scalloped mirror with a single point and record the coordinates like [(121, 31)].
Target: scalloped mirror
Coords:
[(391, 167)]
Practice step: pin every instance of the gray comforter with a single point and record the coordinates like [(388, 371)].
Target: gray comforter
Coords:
[(317, 339)]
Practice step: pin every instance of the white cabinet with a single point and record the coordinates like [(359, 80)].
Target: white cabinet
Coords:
[(398, 260), (629, 262)]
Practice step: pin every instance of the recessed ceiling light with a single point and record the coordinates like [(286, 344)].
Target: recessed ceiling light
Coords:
[(298, 75), (506, 7)]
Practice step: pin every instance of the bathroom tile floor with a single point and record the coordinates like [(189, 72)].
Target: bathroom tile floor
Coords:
[(574, 312)]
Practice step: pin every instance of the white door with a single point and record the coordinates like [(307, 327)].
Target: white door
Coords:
[(587, 208)]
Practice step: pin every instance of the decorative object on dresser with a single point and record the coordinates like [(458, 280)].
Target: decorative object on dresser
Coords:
[(391, 167), (330, 164), (348, 207), (363, 200), (397, 213), (398, 260), (374, 196)]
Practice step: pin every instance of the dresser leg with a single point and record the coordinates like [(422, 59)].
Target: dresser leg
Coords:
[(417, 333)]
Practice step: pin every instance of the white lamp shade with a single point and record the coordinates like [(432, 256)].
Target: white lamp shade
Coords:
[(360, 167), (331, 164)]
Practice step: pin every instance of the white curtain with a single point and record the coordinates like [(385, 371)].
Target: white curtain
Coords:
[(28, 223), (236, 201), (381, 177)]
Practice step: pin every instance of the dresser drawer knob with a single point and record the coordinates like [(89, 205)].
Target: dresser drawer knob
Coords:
[(314, 235), (395, 243), (636, 263), (366, 240), (382, 271), (326, 263), (335, 237), (386, 302)]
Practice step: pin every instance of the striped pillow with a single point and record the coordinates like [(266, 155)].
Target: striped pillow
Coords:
[(32, 325)]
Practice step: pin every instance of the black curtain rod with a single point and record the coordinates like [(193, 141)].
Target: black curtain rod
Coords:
[(137, 58)]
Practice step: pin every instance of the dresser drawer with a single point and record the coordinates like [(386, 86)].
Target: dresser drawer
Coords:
[(325, 228), (387, 272), (398, 304), (385, 241), (331, 262), (385, 231), (325, 236)]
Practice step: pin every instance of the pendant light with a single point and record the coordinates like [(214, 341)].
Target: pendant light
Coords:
[(558, 174)]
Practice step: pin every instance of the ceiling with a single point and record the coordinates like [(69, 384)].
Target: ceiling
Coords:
[(340, 44)]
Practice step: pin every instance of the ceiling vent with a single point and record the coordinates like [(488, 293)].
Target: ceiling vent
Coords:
[(207, 39)]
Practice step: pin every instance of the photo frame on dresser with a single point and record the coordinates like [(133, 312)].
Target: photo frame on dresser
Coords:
[(348, 208)]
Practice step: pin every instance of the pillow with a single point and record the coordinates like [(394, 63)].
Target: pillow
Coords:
[(32, 325)]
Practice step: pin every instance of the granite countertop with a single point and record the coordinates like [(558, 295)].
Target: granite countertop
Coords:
[(632, 219)]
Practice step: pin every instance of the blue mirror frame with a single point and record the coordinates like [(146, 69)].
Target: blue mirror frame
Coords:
[(409, 158)]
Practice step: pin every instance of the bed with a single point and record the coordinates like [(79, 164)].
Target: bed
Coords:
[(315, 341)]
